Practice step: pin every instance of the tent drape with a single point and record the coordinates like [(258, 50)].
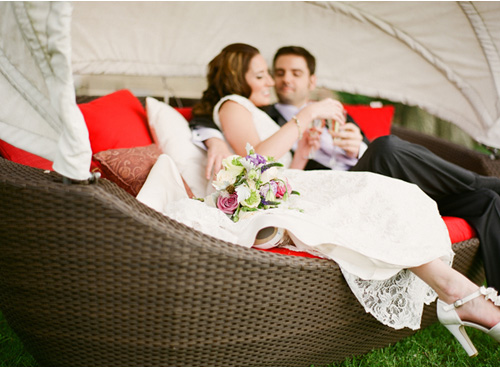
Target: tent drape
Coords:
[(441, 56), (39, 113)]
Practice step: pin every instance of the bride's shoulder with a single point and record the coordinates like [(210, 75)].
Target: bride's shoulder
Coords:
[(232, 109), (237, 99), (232, 106)]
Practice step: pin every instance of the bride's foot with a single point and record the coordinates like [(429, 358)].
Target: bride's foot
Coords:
[(481, 310), (478, 309)]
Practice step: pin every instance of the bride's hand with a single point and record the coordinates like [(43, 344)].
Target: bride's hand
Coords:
[(326, 109), (217, 150), (310, 142)]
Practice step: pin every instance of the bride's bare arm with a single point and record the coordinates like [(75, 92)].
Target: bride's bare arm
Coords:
[(238, 128)]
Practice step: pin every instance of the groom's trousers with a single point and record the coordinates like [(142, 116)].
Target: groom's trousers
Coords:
[(458, 192)]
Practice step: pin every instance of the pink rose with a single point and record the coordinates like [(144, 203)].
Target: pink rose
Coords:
[(228, 204), (282, 189)]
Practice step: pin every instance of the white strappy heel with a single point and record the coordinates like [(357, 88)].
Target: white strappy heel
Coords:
[(450, 319)]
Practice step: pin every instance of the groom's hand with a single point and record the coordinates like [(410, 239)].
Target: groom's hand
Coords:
[(217, 150), (349, 138)]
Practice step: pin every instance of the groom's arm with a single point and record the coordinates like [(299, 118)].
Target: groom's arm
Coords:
[(203, 121)]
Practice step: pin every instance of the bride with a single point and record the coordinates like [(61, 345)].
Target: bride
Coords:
[(386, 235)]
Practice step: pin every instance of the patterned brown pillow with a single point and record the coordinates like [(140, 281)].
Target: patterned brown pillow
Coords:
[(128, 167)]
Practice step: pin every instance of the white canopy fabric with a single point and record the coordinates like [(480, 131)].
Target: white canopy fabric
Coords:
[(38, 112), (440, 56)]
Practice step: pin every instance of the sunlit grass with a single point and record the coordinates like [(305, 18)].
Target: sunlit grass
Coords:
[(431, 347)]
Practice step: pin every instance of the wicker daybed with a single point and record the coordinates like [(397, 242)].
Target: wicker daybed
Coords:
[(89, 276)]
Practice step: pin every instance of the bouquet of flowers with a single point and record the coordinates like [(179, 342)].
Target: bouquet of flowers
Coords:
[(250, 183)]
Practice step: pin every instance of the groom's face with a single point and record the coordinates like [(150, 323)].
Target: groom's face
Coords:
[(293, 80)]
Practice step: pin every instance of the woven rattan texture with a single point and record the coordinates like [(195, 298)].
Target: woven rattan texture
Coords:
[(91, 277), (459, 155)]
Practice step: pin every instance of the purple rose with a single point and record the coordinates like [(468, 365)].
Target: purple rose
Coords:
[(228, 204)]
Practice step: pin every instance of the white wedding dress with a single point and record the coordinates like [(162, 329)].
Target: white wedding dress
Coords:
[(374, 227)]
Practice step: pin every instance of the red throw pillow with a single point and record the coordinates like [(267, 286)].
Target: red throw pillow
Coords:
[(187, 112), (117, 120), (373, 121), (23, 157), (128, 167)]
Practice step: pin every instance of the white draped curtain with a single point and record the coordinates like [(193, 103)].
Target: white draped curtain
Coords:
[(39, 113)]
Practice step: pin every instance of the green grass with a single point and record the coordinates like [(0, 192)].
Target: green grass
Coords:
[(431, 347), (12, 351)]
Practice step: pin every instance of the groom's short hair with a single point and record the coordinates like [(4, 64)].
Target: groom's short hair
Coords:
[(298, 51)]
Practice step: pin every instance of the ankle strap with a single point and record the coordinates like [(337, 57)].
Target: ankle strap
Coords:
[(489, 293)]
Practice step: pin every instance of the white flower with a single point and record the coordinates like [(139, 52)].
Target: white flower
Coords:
[(253, 201), (243, 192), (247, 164), (253, 174), (233, 165), (251, 184), (270, 174), (223, 180), (248, 195), (211, 200), (249, 148)]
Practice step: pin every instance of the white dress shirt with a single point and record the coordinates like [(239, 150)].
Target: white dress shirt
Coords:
[(328, 154)]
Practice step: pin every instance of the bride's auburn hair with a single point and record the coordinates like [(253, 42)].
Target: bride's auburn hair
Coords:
[(226, 76)]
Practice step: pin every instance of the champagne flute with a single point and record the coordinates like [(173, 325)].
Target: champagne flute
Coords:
[(315, 128), (334, 127)]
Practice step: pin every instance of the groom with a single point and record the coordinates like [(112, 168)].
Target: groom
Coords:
[(458, 192)]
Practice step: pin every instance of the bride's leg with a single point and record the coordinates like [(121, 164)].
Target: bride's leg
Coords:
[(451, 285)]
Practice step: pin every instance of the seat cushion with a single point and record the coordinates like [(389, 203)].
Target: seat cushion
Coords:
[(23, 157)]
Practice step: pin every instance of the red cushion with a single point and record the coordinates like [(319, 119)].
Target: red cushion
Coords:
[(373, 121), (187, 112), (117, 120), (458, 228), (23, 157), (288, 252)]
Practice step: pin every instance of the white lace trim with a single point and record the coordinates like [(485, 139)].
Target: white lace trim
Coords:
[(396, 302)]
